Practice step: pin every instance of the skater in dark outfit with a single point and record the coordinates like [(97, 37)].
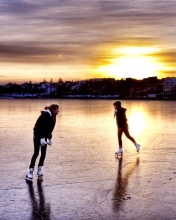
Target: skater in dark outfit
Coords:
[(122, 126), (42, 137)]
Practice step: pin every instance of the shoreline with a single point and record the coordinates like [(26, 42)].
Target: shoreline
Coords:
[(88, 98)]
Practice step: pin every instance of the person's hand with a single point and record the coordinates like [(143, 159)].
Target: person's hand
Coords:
[(115, 112), (43, 142), (50, 142)]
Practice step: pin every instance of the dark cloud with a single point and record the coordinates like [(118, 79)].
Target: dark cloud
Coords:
[(81, 31), (80, 20), (31, 54)]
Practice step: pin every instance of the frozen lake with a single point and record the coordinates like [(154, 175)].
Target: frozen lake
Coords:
[(82, 176)]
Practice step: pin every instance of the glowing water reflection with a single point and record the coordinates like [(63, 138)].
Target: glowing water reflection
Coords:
[(137, 122)]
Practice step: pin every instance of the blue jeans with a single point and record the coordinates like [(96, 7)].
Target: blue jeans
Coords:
[(36, 153)]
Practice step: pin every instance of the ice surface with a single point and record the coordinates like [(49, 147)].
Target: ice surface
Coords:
[(82, 177)]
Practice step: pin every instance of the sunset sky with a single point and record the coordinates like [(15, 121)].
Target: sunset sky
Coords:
[(83, 39)]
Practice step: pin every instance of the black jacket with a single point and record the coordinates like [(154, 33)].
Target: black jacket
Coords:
[(44, 125), (121, 118)]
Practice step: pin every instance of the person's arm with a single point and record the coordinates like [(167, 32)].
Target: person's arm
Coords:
[(40, 128), (50, 129)]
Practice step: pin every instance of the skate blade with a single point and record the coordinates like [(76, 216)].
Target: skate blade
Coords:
[(138, 151), (40, 178), (118, 154), (138, 154)]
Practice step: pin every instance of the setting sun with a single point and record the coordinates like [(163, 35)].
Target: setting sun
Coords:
[(132, 62)]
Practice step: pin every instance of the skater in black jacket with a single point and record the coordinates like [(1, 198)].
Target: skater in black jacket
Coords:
[(42, 137), (122, 126)]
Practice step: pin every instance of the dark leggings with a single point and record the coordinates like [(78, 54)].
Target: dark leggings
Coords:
[(36, 153), (126, 132)]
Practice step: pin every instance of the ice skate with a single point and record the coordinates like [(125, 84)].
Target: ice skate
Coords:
[(137, 147), (119, 152), (29, 176), (40, 172)]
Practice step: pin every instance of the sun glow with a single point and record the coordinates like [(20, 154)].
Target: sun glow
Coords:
[(132, 62), (137, 123)]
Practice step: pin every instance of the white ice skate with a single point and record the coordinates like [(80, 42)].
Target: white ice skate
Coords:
[(40, 172), (138, 147), (119, 152), (29, 175)]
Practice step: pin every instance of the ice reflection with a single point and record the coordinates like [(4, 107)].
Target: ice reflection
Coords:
[(40, 210), (120, 192)]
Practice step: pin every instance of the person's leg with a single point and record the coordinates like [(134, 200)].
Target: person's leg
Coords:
[(119, 134), (126, 131), (36, 152), (41, 161), (43, 155)]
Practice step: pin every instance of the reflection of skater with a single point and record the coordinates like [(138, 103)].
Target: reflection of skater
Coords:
[(40, 210), (120, 115), (42, 136), (120, 192)]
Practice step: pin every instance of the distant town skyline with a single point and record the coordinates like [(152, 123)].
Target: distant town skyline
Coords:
[(62, 80), (78, 39)]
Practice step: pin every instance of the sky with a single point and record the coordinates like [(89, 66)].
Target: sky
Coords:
[(83, 39)]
